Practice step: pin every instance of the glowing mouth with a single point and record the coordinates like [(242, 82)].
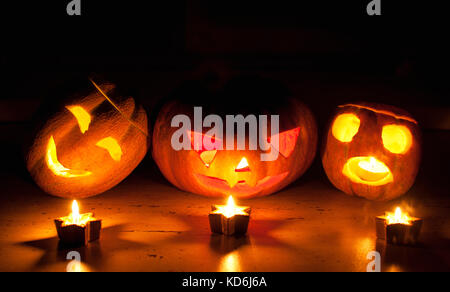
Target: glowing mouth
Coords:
[(367, 170), (241, 188)]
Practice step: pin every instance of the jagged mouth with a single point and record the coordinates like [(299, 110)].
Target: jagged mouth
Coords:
[(241, 188)]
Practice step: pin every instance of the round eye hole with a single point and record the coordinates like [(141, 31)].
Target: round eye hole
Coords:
[(345, 127), (397, 139)]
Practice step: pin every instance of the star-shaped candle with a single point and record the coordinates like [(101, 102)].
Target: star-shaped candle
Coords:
[(229, 219), (398, 227), (78, 229)]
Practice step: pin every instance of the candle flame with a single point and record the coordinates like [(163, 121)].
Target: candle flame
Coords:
[(75, 218), (398, 217), (373, 165), (231, 209), (75, 212)]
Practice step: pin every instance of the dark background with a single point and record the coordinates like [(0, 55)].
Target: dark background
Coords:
[(156, 44), (326, 52)]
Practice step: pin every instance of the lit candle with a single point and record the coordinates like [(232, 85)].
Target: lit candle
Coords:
[(398, 227), (229, 219), (371, 169), (78, 229)]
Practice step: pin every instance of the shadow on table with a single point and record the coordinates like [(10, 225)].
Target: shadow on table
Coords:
[(95, 254)]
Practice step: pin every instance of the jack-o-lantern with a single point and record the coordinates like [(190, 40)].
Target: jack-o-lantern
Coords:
[(92, 144), (241, 173), (372, 151)]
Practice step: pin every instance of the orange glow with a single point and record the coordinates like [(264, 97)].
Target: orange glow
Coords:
[(111, 145), (286, 141), (345, 127), (397, 139), (82, 116), (398, 217), (230, 263), (56, 167), (243, 165), (230, 210), (367, 170), (75, 218), (208, 157)]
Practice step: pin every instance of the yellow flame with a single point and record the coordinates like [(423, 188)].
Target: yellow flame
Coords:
[(398, 217), (230, 210), (75, 212), (56, 167), (373, 165), (111, 145), (82, 116), (75, 218), (242, 164)]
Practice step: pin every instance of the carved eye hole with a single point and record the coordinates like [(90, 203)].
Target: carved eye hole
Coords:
[(242, 166), (345, 127), (198, 141), (286, 141), (113, 148), (82, 116), (397, 139)]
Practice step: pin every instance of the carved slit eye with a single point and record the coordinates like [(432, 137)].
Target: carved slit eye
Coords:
[(345, 127), (206, 155), (286, 141), (113, 148), (82, 116), (397, 139)]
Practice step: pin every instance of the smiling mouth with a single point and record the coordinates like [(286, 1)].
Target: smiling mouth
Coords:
[(367, 170), (241, 188), (56, 167)]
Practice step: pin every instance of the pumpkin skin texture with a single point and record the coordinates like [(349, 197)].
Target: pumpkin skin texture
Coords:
[(188, 171), (90, 145), (380, 138)]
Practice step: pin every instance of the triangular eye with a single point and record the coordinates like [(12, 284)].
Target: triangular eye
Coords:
[(206, 155), (286, 141)]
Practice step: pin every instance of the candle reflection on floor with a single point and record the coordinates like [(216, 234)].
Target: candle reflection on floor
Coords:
[(230, 263)]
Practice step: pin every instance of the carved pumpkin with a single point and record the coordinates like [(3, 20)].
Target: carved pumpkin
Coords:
[(91, 145), (241, 173), (372, 151)]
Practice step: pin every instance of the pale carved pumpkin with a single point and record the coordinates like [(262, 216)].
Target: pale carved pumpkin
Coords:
[(372, 151), (240, 173), (92, 144)]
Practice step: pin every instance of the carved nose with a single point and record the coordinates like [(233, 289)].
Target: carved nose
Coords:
[(242, 166)]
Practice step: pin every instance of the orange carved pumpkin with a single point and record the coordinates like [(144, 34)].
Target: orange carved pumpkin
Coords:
[(372, 151), (91, 145), (241, 173)]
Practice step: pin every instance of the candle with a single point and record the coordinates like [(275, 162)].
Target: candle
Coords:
[(398, 227), (78, 229), (229, 219), (371, 169)]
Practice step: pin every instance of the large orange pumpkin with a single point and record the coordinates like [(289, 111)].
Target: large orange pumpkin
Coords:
[(372, 150), (95, 141), (240, 173)]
